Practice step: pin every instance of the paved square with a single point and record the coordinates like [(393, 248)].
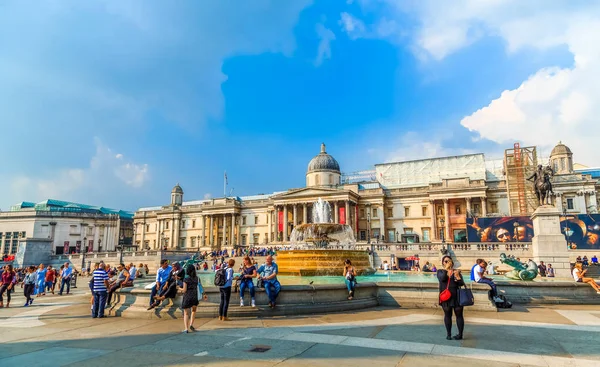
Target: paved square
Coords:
[(59, 332)]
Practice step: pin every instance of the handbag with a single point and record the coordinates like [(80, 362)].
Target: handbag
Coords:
[(445, 294), (465, 297), (260, 283)]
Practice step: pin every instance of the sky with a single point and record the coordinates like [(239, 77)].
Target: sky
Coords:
[(112, 103)]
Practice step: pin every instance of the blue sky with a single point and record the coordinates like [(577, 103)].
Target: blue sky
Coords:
[(112, 103)]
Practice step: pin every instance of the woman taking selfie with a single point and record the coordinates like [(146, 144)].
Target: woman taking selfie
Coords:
[(450, 279)]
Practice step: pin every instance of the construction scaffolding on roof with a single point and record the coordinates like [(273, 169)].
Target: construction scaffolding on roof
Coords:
[(519, 164)]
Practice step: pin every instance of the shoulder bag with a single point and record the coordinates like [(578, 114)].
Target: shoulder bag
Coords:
[(465, 297), (445, 294)]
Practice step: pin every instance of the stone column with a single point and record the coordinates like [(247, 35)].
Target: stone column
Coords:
[(447, 221), (239, 230), (158, 231), (295, 209), (203, 230), (336, 217), (210, 232), (304, 213), (484, 207), (285, 223), (232, 237), (276, 223), (176, 232), (433, 233), (381, 210), (224, 242), (468, 202), (348, 212)]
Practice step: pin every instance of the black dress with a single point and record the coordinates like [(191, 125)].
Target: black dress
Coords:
[(190, 297), (442, 276)]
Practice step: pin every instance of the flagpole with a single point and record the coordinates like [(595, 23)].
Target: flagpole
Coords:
[(225, 184)]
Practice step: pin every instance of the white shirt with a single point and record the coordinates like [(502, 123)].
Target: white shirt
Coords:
[(386, 266), (576, 274), (478, 269), (491, 269)]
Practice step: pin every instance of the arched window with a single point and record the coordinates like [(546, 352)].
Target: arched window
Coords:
[(562, 164), (555, 165)]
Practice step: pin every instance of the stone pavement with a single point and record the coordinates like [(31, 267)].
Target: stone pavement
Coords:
[(58, 331)]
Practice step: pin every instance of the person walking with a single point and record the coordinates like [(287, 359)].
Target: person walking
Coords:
[(349, 278), (100, 284), (40, 282), (268, 274), (451, 279), (29, 285), (225, 291), (248, 274), (50, 279), (65, 279), (8, 281), (190, 297)]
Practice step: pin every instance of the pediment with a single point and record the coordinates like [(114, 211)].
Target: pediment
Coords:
[(312, 192)]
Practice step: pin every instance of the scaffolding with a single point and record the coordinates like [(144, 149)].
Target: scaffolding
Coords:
[(519, 164)]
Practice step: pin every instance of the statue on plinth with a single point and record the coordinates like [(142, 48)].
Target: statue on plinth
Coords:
[(520, 271), (542, 184)]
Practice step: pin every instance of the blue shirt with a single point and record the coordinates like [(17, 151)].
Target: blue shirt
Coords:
[(99, 277), (228, 277), (268, 270), (132, 273), (67, 272), (163, 274)]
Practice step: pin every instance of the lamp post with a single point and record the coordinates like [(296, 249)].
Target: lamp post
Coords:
[(567, 231), (442, 225), (83, 251), (198, 242), (516, 231), (397, 236), (369, 235)]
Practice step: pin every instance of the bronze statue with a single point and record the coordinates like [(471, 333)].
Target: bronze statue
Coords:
[(542, 185)]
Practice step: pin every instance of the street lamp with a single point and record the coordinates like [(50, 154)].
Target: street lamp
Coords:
[(442, 224), (397, 234), (198, 242), (83, 251), (567, 230), (516, 231)]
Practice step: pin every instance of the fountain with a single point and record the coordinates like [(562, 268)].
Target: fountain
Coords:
[(321, 247)]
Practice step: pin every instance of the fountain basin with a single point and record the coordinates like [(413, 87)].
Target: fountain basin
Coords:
[(322, 262)]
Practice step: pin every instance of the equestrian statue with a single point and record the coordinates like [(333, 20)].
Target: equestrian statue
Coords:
[(542, 185)]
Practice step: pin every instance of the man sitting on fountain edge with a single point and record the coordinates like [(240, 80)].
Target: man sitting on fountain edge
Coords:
[(268, 274)]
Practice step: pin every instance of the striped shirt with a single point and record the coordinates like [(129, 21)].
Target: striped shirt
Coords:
[(99, 277)]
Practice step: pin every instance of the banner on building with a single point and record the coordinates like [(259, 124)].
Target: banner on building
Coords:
[(90, 246), (500, 229), (66, 247), (78, 246), (280, 218), (582, 231), (342, 215)]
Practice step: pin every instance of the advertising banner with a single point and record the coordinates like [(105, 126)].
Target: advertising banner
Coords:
[(280, 217), (342, 215), (582, 231), (66, 247), (78, 246), (90, 246), (500, 229)]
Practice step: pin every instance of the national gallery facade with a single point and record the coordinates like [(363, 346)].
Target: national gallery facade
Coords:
[(427, 200)]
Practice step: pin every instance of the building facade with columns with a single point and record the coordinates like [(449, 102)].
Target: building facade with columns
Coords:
[(424, 200)]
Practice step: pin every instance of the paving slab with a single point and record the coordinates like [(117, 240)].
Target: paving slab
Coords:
[(324, 355), (278, 350), (51, 357), (426, 360)]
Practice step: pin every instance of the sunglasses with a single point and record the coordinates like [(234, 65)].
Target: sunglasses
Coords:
[(503, 235), (447, 261)]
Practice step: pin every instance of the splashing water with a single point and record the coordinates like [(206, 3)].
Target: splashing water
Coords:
[(321, 212)]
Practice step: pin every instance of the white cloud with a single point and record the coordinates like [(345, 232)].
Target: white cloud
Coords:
[(106, 172), (351, 25), (326, 36)]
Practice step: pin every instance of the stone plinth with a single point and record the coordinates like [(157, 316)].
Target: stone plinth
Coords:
[(33, 251), (549, 244)]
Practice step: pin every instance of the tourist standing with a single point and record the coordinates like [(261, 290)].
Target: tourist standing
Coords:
[(349, 278), (162, 275), (268, 273), (550, 271), (542, 269), (451, 279), (248, 274), (65, 277), (8, 282), (50, 279), (579, 276), (29, 285), (225, 291), (190, 298), (40, 282), (100, 284)]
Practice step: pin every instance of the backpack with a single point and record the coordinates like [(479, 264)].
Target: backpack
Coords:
[(221, 277), (504, 303), (473, 273)]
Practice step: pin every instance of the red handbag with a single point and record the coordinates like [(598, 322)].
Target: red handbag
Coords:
[(445, 294)]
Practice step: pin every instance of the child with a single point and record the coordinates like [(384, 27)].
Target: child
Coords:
[(29, 285)]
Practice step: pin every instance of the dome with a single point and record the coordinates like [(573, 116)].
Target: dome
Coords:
[(560, 148), (177, 190), (323, 162)]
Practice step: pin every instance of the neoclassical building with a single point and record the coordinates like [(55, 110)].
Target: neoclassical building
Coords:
[(414, 201)]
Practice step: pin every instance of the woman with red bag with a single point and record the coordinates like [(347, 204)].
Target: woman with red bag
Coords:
[(450, 280)]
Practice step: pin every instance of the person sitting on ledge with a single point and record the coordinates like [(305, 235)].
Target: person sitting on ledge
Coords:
[(550, 271), (479, 276), (169, 290), (578, 275), (594, 260), (162, 275), (350, 275), (268, 274)]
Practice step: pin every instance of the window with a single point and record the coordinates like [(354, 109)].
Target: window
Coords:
[(183, 224), (147, 228), (426, 232), (363, 235), (244, 223), (390, 212), (255, 238), (477, 209), (570, 204), (408, 230), (440, 210), (90, 230), (457, 209), (244, 239), (407, 211), (423, 211), (192, 241), (167, 225), (182, 242), (374, 213), (256, 219), (266, 220), (493, 207), (362, 213), (194, 223)]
